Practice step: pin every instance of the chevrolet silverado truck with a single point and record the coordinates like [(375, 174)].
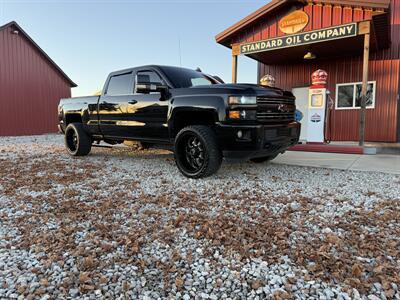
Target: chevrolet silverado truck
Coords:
[(200, 118)]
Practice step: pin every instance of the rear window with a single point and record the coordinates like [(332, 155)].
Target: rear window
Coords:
[(120, 85)]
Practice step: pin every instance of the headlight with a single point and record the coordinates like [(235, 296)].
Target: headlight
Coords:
[(239, 100)]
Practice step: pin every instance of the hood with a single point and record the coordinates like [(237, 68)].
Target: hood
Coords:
[(237, 89)]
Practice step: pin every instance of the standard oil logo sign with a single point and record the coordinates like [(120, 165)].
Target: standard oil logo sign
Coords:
[(310, 37), (294, 22)]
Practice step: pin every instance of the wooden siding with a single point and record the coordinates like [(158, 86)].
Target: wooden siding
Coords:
[(30, 88)]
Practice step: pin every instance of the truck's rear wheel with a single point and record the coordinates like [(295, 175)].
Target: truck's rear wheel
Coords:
[(196, 152), (259, 160), (77, 141)]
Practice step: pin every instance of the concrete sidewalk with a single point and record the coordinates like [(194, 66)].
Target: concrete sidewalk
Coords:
[(375, 163)]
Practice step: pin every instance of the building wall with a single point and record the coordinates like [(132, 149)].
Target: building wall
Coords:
[(30, 88), (381, 122), (384, 68)]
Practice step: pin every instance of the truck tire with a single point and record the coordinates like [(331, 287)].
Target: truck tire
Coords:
[(196, 152), (259, 160), (77, 141)]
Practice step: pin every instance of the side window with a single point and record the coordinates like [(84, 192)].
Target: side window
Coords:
[(120, 85), (200, 81), (348, 95), (345, 96), (149, 76)]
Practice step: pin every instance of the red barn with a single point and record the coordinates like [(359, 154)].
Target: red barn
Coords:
[(31, 85), (283, 33)]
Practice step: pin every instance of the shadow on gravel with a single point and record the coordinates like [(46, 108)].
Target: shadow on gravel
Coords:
[(229, 167)]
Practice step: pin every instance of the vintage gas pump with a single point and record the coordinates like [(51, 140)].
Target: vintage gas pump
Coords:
[(317, 107)]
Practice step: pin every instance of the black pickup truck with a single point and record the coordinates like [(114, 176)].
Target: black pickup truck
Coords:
[(202, 119)]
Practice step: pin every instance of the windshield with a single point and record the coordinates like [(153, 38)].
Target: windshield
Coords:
[(185, 78)]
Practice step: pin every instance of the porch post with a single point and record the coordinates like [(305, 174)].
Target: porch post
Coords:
[(365, 27), (234, 68), (235, 54)]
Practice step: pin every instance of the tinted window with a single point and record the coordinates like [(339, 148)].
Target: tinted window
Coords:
[(148, 77), (120, 85), (185, 78), (153, 76)]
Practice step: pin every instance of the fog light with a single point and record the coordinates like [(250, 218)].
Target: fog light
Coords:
[(239, 134)]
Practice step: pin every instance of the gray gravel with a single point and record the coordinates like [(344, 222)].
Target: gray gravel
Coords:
[(124, 224)]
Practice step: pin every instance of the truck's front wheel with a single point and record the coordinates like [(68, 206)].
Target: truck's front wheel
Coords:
[(77, 141), (196, 152)]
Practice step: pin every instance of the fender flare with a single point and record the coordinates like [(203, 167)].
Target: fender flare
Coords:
[(213, 106)]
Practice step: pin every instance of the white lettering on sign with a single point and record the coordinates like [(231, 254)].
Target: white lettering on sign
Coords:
[(321, 35)]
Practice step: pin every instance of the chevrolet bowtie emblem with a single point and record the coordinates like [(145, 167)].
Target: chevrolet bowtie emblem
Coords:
[(283, 108)]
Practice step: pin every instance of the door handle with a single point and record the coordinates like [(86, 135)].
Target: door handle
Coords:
[(132, 102)]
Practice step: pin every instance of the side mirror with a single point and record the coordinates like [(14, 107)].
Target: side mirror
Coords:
[(150, 87), (145, 86)]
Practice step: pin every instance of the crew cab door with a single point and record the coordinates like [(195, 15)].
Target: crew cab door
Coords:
[(127, 114), (152, 110), (117, 108)]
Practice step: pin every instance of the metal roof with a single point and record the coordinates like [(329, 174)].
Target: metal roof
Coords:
[(275, 4), (15, 24)]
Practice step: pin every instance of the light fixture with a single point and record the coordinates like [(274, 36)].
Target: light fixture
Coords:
[(310, 56)]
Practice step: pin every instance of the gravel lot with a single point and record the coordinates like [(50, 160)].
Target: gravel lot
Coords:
[(123, 224)]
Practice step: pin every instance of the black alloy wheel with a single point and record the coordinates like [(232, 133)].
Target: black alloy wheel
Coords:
[(71, 138), (196, 152), (77, 141)]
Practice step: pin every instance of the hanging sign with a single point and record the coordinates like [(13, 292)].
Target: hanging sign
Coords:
[(304, 38), (293, 22)]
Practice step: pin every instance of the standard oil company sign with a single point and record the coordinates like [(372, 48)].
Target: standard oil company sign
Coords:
[(310, 37)]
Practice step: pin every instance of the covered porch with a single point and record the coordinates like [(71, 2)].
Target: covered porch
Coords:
[(335, 31)]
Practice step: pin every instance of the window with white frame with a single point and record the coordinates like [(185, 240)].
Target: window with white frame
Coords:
[(348, 95)]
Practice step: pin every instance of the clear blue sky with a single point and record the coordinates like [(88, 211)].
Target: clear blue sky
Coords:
[(89, 39)]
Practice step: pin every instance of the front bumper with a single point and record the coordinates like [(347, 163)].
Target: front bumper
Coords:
[(257, 140)]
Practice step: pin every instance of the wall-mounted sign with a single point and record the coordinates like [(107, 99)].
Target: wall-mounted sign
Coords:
[(298, 115), (293, 22), (309, 37)]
